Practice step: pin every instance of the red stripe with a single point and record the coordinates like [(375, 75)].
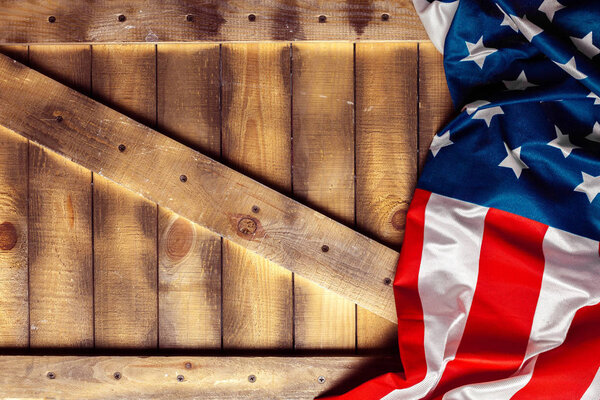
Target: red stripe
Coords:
[(411, 329), (567, 371), (511, 267)]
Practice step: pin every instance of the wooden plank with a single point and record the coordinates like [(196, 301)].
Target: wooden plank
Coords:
[(189, 277), (14, 302), (60, 218), (29, 21), (324, 177), (125, 225), (386, 158), (185, 377), (213, 195), (435, 104), (257, 294)]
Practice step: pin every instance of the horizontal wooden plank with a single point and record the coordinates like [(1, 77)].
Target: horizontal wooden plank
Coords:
[(197, 187), (102, 377), (63, 21)]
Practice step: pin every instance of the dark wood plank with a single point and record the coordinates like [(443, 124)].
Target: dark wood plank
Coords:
[(28, 21), (257, 294), (324, 177), (185, 377), (125, 225), (60, 219), (386, 158), (213, 195), (189, 255)]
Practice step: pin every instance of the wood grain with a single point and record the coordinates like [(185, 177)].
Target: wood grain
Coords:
[(125, 225), (214, 196), (257, 298), (14, 302), (27, 21), (323, 168), (60, 220), (435, 104), (189, 255), (203, 377), (386, 157)]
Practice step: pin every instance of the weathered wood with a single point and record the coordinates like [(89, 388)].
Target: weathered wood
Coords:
[(257, 294), (261, 378), (189, 277), (323, 112), (435, 104), (28, 21), (213, 195), (14, 301), (386, 157), (125, 225), (60, 220)]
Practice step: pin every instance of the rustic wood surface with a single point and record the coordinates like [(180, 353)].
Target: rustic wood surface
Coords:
[(260, 378), (62, 21)]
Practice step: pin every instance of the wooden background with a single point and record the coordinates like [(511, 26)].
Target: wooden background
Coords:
[(340, 126)]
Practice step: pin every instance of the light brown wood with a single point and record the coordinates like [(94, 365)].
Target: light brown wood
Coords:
[(213, 195), (125, 225), (435, 104), (60, 221), (189, 255), (386, 158), (199, 377), (14, 302), (323, 168), (27, 21), (257, 297)]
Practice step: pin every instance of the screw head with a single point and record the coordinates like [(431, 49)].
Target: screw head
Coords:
[(321, 379), (52, 19), (387, 281), (117, 375), (251, 378), (189, 18), (251, 17), (51, 375), (122, 18), (183, 178), (188, 365), (385, 17), (180, 378), (324, 248), (122, 148), (59, 118), (255, 209), (322, 18)]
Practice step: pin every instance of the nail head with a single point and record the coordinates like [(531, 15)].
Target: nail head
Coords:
[(188, 365), (117, 375), (387, 281), (385, 17), (122, 148), (321, 379), (52, 19), (251, 17), (180, 378), (324, 248), (255, 209), (189, 18), (122, 18), (51, 375), (183, 178), (322, 18), (252, 379), (59, 118)]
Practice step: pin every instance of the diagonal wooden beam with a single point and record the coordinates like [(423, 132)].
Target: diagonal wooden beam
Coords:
[(102, 377), (197, 187)]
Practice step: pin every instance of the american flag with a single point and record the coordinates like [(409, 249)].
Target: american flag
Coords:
[(498, 285)]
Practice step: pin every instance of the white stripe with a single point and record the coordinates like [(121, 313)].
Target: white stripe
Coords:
[(593, 391), (570, 282), (436, 17), (447, 279)]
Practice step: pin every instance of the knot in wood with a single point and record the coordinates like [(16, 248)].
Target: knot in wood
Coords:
[(247, 226), (8, 236)]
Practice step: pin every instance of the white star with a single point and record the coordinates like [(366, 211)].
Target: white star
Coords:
[(571, 68), (478, 52), (590, 186), (586, 45), (520, 84), (527, 28), (513, 161), (549, 7), (507, 21), (439, 142), (487, 114), (562, 143), (594, 96), (595, 135)]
